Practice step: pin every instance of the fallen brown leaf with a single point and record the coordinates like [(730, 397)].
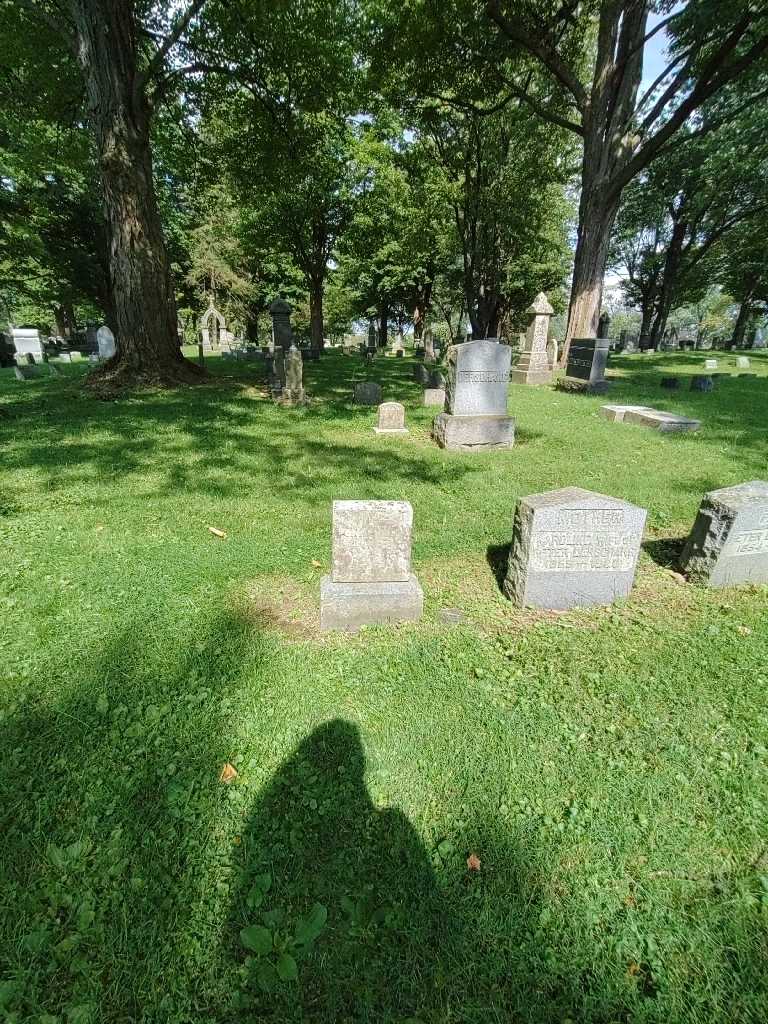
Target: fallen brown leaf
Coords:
[(473, 862), (216, 533), (677, 576), (228, 773)]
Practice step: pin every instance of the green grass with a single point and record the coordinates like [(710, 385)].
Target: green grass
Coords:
[(609, 767)]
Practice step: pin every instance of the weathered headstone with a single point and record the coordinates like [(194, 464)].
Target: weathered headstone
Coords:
[(534, 367), (282, 334), (616, 413), (27, 341), (436, 379), (603, 324), (475, 416), (22, 373), (729, 540), (434, 396), (421, 373), (370, 580), (391, 419), (429, 344), (699, 383), (587, 360), (572, 548), (371, 337), (631, 345), (293, 389), (670, 382), (105, 340), (644, 416), (742, 362), (664, 422), (710, 364), (367, 392)]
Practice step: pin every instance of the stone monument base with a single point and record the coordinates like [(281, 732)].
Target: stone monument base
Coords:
[(348, 606), (470, 433), (295, 397), (521, 376), (390, 430), (530, 371), (584, 387)]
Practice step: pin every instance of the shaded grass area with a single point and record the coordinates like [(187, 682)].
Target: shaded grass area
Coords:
[(607, 767)]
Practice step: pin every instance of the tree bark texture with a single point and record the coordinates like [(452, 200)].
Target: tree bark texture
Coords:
[(145, 321)]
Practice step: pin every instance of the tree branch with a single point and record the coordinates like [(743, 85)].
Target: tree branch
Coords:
[(658, 80), (178, 28), (544, 53), (543, 112), (713, 77)]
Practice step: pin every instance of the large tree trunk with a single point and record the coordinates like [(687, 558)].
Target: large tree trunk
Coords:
[(597, 212), (740, 327), (146, 332), (383, 325), (317, 341)]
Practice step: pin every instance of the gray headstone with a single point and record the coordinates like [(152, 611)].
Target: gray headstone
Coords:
[(105, 339), (534, 366), (421, 373), (475, 416), (616, 413), (478, 379), (391, 419), (670, 382), (699, 383), (729, 540), (293, 389), (710, 364), (280, 312), (742, 362), (26, 341), (664, 422), (370, 580), (573, 548), (367, 392), (587, 360), (434, 396)]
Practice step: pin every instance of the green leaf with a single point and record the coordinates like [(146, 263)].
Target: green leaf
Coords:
[(267, 977), (257, 939), (286, 967), (263, 882), (445, 849), (308, 928), (255, 898)]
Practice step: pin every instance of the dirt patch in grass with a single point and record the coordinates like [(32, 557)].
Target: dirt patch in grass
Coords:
[(282, 605)]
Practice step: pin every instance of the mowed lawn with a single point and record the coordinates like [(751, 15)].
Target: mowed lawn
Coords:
[(608, 767)]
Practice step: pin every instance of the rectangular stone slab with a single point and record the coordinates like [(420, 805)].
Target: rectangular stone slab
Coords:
[(434, 396), (473, 433), (348, 606), (587, 360), (616, 413), (371, 541), (729, 540), (573, 548), (666, 422)]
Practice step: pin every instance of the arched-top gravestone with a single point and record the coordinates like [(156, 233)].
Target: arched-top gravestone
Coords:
[(105, 339), (212, 326)]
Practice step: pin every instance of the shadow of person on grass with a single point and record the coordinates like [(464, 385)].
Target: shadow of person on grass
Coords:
[(334, 891)]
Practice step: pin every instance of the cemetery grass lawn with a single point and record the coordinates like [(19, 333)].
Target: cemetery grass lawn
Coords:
[(609, 767)]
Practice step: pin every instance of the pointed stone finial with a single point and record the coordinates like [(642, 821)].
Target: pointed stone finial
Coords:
[(540, 306)]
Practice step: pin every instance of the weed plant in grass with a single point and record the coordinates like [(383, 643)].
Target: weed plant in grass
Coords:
[(608, 767)]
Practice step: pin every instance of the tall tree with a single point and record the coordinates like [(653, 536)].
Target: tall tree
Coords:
[(122, 71), (623, 131)]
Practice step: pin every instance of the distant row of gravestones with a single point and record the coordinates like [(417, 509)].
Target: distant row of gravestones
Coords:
[(23, 346), (570, 548)]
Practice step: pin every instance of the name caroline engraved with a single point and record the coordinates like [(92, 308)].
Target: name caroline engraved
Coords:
[(483, 377)]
